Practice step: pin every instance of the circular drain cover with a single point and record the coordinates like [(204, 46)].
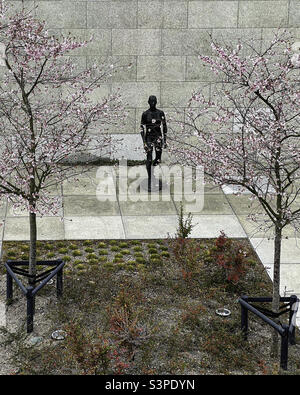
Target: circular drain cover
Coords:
[(59, 335), (223, 312)]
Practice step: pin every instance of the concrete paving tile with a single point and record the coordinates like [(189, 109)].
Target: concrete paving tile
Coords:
[(88, 205), (2, 225), (150, 208), (21, 212), (243, 204), (2, 314), (3, 205), (48, 228), (82, 186), (105, 227), (203, 204), (290, 252), (150, 227), (211, 225), (53, 189), (289, 277), (130, 172), (96, 180), (258, 229), (210, 188), (134, 188)]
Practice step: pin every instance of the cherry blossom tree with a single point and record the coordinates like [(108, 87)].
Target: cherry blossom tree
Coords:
[(47, 111), (246, 133)]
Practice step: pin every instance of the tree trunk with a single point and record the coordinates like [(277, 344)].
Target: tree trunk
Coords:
[(32, 251), (276, 286)]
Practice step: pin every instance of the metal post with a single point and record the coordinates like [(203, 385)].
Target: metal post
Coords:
[(9, 287), (244, 319), (30, 309), (59, 283), (284, 347)]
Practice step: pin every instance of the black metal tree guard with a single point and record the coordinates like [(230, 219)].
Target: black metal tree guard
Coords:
[(13, 268), (287, 332)]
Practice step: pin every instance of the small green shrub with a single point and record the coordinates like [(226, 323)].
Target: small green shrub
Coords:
[(66, 258), (135, 242), (156, 261), (115, 248), (76, 253), (73, 247), (89, 250), (61, 244), (91, 256), (184, 224), (108, 265), (48, 246), (87, 242), (11, 253), (154, 256), (130, 267), (152, 251), (77, 262), (80, 266), (101, 244), (50, 255), (118, 260), (93, 261), (123, 245), (63, 250), (164, 248), (102, 252), (137, 248), (140, 260), (139, 254), (125, 252), (113, 242)]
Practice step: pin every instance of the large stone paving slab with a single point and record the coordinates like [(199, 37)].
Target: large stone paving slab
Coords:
[(89, 206), (104, 227), (210, 226), (147, 208), (289, 277), (257, 229), (244, 204), (150, 227), (290, 262), (22, 212), (2, 314), (48, 228), (290, 251), (203, 204)]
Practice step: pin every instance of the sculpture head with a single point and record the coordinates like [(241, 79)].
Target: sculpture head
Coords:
[(152, 101)]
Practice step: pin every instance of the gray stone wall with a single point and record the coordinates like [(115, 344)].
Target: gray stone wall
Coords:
[(161, 38)]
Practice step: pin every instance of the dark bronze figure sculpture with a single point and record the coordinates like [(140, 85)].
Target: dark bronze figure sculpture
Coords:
[(153, 137)]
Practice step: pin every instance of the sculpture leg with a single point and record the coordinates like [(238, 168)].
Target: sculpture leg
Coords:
[(149, 168), (158, 152), (157, 159)]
